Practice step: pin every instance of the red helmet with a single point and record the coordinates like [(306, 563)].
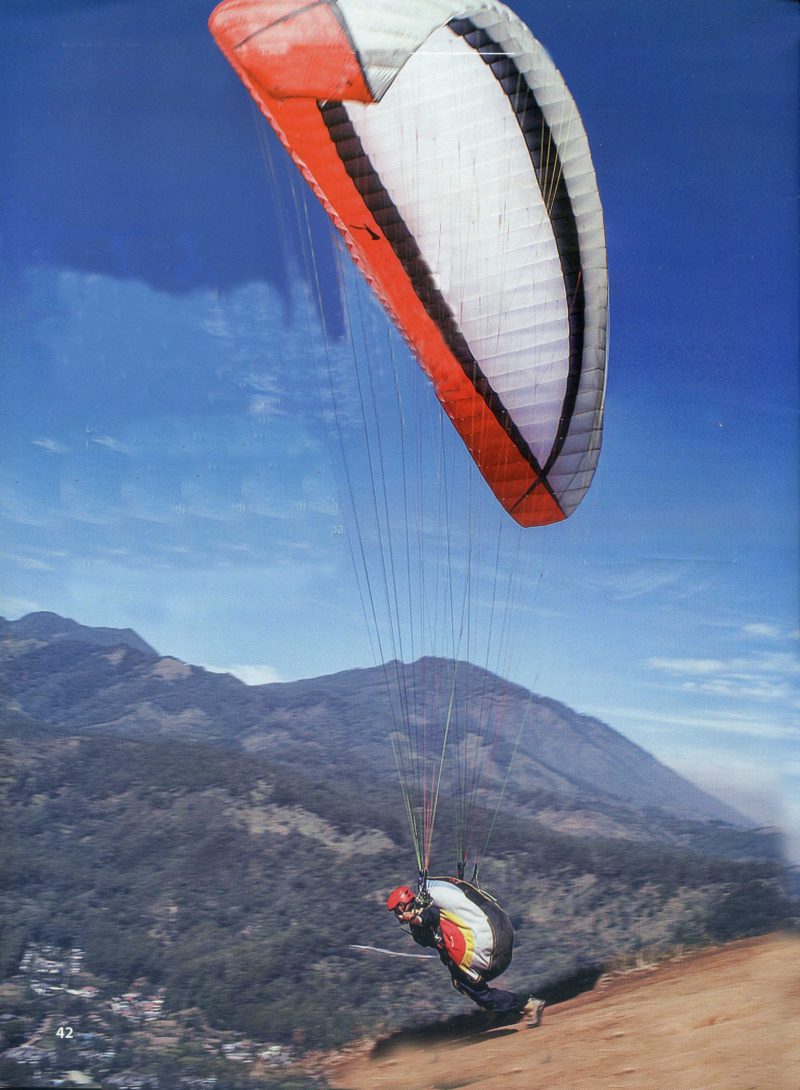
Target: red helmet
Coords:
[(400, 896)]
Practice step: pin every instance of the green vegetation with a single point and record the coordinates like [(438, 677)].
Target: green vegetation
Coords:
[(239, 884)]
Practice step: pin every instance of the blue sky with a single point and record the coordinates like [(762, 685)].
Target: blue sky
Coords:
[(166, 463)]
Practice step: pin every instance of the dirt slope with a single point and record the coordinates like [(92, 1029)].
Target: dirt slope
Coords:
[(725, 1019)]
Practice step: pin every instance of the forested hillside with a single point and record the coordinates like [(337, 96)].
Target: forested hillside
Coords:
[(192, 868), (239, 884)]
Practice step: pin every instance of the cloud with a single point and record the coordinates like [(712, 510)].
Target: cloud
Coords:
[(249, 673), (763, 631), (766, 676), (639, 578), (262, 382), (51, 446), (216, 323), (686, 666), (264, 406), (718, 722), (34, 563), (738, 688), (110, 443), (29, 563)]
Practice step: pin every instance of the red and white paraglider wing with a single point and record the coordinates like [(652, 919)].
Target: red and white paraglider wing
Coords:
[(449, 153)]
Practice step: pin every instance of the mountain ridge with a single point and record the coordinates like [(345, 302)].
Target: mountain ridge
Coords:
[(79, 677), (45, 625)]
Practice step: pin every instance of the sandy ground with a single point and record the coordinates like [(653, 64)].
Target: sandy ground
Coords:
[(725, 1019)]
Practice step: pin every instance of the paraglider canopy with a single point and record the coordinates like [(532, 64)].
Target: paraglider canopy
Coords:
[(449, 153)]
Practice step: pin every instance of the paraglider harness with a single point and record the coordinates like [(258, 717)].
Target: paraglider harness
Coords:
[(461, 866), (442, 928), (423, 898)]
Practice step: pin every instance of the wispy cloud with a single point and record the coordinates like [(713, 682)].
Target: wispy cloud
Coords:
[(686, 666), (37, 559), (640, 578), (249, 673), (749, 726), (51, 446), (28, 563), (761, 676), (264, 406), (763, 631), (110, 443)]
